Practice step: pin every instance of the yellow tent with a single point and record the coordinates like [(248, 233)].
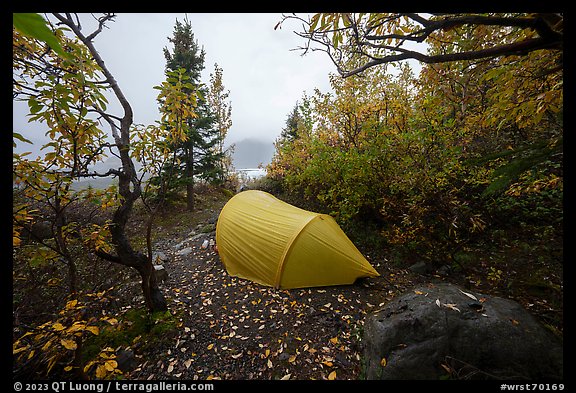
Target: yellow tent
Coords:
[(273, 243)]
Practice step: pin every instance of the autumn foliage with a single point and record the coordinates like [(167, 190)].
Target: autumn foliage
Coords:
[(434, 159)]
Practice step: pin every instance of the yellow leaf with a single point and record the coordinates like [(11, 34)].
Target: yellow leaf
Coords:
[(68, 344), (58, 326), (87, 366), (383, 362), (332, 376), (93, 329), (52, 363), (101, 371), (329, 364), (334, 340), (210, 346), (68, 368), (267, 353), (47, 345), (76, 327), (269, 364), (111, 365), (286, 377), (292, 359), (71, 304)]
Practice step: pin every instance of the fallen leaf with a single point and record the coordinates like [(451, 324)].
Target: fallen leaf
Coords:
[(438, 302), (210, 346), (332, 376), (383, 362), (286, 377), (69, 344), (100, 371), (334, 340), (468, 294), (451, 306), (292, 359), (447, 368), (419, 292), (58, 327), (269, 363)]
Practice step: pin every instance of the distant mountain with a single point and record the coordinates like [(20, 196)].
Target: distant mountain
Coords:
[(249, 153)]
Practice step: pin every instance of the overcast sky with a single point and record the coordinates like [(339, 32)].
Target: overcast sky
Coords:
[(264, 76)]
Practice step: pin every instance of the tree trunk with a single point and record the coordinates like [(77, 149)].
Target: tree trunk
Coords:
[(129, 186), (190, 178), (127, 256), (153, 296)]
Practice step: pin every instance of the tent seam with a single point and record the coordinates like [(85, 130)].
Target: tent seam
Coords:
[(286, 252)]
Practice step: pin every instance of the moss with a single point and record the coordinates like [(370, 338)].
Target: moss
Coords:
[(135, 325)]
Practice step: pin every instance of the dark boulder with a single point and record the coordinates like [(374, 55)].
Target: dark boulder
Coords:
[(439, 331)]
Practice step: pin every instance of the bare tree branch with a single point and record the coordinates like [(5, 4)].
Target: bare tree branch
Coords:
[(360, 37), (101, 23)]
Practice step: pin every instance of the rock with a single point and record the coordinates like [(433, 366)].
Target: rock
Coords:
[(420, 268), (283, 356), (126, 360), (444, 270), (486, 338), (161, 273), (197, 236), (181, 244), (158, 257), (184, 251)]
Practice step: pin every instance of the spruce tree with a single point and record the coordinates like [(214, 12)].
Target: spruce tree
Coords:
[(198, 155)]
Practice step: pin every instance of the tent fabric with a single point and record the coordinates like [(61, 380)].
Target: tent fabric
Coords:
[(268, 241)]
